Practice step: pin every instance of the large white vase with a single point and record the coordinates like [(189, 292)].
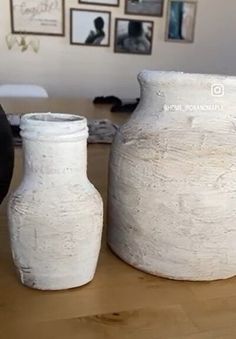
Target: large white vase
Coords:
[(172, 193), (56, 214)]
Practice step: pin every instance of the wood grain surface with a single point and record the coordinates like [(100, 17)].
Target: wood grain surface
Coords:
[(121, 302)]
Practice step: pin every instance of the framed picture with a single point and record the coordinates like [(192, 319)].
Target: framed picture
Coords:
[(101, 2), (144, 7), (90, 28), (38, 17), (133, 36), (181, 19)]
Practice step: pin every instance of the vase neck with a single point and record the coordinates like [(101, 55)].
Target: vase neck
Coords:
[(61, 162), (55, 150), (179, 92)]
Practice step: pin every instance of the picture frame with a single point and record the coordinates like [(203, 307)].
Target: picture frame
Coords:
[(181, 21), (90, 27), (153, 8), (133, 36), (34, 18), (113, 3)]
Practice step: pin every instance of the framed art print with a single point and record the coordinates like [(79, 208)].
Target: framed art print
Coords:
[(181, 19), (133, 36), (144, 7), (90, 27), (38, 17), (101, 2)]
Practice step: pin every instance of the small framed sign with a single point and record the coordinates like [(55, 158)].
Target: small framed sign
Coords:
[(38, 17)]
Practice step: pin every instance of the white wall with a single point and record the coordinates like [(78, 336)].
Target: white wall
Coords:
[(66, 70)]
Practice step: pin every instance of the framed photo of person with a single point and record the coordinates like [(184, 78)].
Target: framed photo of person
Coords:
[(90, 28), (181, 19), (133, 36), (38, 17), (144, 7), (101, 2)]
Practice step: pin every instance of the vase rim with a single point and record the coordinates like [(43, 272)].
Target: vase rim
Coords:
[(53, 125), (48, 118), (153, 77)]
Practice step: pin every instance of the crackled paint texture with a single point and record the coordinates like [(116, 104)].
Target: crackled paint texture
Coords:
[(56, 214), (172, 194)]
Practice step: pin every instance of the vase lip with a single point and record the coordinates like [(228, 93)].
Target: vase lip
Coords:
[(153, 77), (48, 118), (45, 126)]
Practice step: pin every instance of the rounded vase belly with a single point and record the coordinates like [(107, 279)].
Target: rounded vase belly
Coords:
[(172, 198)]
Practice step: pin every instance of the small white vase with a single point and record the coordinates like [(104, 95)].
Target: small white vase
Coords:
[(172, 191), (56, 214)]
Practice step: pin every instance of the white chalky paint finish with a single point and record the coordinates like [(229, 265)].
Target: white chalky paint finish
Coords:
[(56, 214), (172, 194)]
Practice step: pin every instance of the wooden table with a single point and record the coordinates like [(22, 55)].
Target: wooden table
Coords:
[(121, 302), (83, 107)]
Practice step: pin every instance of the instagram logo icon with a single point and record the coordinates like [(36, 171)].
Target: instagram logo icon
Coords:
[(217, 90)]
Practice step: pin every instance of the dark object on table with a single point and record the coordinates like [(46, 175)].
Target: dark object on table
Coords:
[(107, 100), (101, 131), (126, 108), (15, 131), (6, 155), (16, 135)]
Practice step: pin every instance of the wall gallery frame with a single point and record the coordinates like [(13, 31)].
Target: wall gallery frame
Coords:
[(133, 36), (37, 17), (114, 3), (90, 27), (181, 21), (144, 7)]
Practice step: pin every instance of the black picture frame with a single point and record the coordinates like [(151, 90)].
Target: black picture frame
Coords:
[(168, 23), (103, 3), (123, 50), (72, 42), (143, 13)]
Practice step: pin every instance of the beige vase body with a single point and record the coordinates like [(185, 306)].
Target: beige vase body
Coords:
[(56, 214), (172, 192)]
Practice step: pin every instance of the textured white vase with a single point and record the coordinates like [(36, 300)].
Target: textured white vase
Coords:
[(56, 214), (172, 193)]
